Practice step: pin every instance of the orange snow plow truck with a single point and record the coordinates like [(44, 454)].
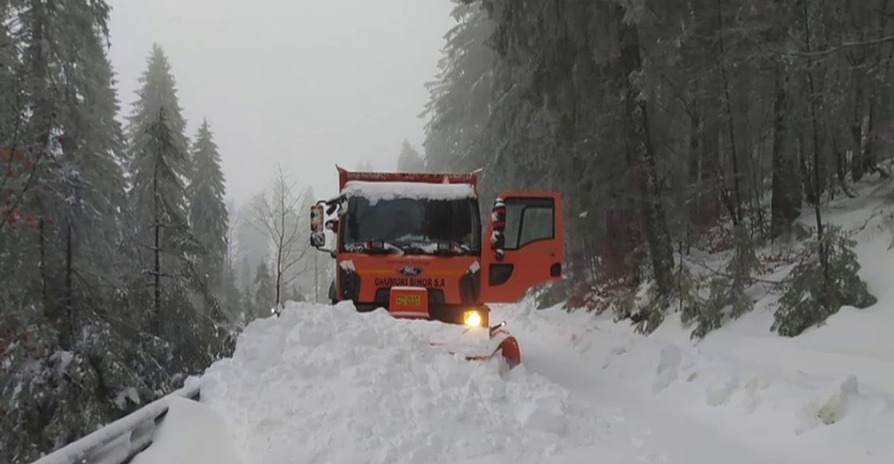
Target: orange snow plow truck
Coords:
[(413, 244)]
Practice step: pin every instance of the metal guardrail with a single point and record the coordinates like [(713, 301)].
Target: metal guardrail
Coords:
[(120, 441)]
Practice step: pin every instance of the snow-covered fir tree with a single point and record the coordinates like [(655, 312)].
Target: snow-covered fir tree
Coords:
[(208, 213), (184, 309), (158, 92), (62, 232), (458, 109)]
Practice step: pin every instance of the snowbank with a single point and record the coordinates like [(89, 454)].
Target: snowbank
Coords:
[(191, 433), (821, 415), (328, 384)]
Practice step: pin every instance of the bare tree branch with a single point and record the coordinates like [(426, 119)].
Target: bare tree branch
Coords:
[(275, 214), (843, 46)]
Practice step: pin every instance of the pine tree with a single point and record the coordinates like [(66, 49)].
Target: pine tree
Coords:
[(185, 312), (245, 274), (158, 93), (208, 214), (409, 159), (60, 234), (253, 244), (459, 107), (365, 166), (264, 291), (63, 123), (158, 163)]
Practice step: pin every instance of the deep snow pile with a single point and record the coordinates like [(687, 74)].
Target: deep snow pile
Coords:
[(778, 401), (328, 384)]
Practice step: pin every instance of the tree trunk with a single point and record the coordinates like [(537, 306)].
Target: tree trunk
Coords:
[(737, 192), (640, 143), (857, 163), (67, 329), (695, 176), (786, 193), (156, 317), (817, 165)]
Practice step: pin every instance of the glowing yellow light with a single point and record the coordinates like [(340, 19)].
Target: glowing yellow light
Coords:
[(472, 318)]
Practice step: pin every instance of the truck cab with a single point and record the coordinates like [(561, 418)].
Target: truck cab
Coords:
[(414, 244)]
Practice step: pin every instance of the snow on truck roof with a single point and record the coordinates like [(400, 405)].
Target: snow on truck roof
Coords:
[(378, 191)]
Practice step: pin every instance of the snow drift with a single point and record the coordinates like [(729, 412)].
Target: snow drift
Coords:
[(327, 384), (778, 403)]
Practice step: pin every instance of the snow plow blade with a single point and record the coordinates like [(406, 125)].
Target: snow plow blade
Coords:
[(479, 343)]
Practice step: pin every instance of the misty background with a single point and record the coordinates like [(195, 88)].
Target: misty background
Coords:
[(306, 84)]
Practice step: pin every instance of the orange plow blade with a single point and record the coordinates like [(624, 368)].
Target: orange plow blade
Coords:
[(480, 343)]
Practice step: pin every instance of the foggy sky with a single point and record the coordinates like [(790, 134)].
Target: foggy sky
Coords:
[(306, 83)]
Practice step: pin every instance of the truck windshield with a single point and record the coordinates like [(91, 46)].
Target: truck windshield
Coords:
[(414, 224)]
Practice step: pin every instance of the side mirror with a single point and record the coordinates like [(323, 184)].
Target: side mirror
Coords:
[(498, 224), (317, 232)]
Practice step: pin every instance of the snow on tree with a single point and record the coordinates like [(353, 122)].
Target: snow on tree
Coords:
[(459, 98), (678, 129), (184, 310), (824, 279), (68, 353), (158, 92)]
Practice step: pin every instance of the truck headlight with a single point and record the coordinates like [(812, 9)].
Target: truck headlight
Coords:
[(473, 318)]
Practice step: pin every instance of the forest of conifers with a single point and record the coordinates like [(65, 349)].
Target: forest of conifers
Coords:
[(668, 126), (675, 124)]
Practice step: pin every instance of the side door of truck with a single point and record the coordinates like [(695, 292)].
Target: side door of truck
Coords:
[(524, 246)]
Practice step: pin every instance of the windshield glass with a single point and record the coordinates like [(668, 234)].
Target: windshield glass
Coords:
[(406, 222)]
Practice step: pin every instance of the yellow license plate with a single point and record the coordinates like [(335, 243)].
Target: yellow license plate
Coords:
[(409, 300)]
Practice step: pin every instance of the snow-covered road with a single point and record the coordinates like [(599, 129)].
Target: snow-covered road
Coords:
[(693, 405), (326, 384)]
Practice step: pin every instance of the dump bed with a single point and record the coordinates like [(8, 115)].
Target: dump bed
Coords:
[(345, 176)]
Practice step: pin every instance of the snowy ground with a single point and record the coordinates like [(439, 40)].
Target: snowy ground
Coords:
[(323, 384), (327, 384)]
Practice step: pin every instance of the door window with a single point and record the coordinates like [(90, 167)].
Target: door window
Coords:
[(529, 220)]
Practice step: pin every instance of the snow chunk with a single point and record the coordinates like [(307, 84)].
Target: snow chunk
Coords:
[(64, 359), (378, 191), (475, 267), (129, 393)]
